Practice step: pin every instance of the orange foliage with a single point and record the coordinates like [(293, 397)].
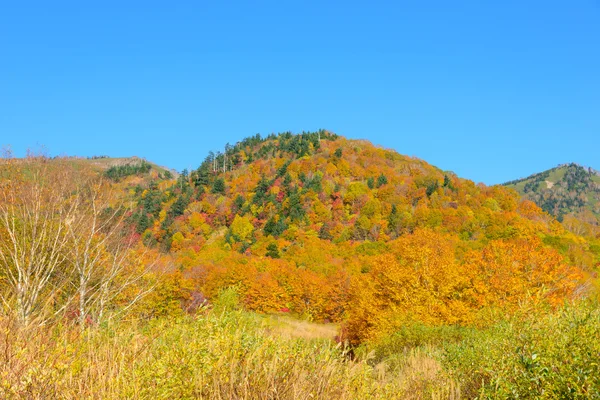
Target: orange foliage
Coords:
[(365, 233)]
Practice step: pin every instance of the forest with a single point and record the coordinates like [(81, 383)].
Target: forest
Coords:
[(292, 266)]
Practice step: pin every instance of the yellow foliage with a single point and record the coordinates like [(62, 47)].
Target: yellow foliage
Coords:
[(241, 227), (419, 280)]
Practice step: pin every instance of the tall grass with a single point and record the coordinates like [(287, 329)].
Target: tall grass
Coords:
[(227, 353), (217, 355)]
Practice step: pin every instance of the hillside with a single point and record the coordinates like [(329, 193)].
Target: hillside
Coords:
[(238, 278), (117, 167), (569, 190), (328, 228)]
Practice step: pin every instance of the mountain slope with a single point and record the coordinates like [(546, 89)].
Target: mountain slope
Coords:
[(338, 229), (568, 190), (119, 167), (440, 252), (334, 229)]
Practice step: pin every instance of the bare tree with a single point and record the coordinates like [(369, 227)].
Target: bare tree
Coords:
[(34, 208), (103, 260), (63, 243)]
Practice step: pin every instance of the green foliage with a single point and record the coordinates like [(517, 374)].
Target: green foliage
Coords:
[(201, 177), (372, 248), (325, 232), (228, 300), (371, 182), (142, 222), (257, 148), (275, 228), (394, 220), (117, 172), (261, 190), (179, 206), (557, 242), (418, 335), (283, 170), (565, 189), (238, 203), (273, 251), (448, 183), (538, 356), (296, 210), (218, 186), (315, 183), (152, 202), (393, 348)]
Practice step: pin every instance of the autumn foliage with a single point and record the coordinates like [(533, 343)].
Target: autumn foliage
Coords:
[(335, 229), (340, 230)]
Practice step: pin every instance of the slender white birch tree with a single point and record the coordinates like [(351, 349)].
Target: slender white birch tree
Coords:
[(63, 243), (35, 208)]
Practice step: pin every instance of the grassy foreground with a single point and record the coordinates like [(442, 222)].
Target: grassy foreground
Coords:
[(227, 353)]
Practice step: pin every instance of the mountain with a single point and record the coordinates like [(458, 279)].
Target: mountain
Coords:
[(326, 228), (337, 229), (569, 190)]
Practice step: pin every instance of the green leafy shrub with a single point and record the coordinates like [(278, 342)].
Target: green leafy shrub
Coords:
[(542, 355)]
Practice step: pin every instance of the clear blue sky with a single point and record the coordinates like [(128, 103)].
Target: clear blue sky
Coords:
[(493, 90)]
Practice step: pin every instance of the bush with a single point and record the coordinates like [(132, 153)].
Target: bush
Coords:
[(553, 355)]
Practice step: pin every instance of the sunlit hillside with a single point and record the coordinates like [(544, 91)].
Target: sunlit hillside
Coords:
[(222, 281), (569, 192)]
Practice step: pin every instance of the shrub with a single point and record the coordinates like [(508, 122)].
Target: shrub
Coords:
[(552, 355)]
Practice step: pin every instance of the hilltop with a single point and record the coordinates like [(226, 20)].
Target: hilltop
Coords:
[(325, 227), (568, 190), (119, 167)]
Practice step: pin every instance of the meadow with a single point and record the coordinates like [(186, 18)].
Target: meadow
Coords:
[(224, 352)]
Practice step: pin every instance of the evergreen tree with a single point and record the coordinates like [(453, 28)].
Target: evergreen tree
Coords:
[(393, 220), (238, 203), (371, 182), (382, 180), (218, 186), (273, 251), (296, 211), (143, 223), (324, 232), (179, 206)]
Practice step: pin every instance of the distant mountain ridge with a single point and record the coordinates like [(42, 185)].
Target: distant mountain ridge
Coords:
[(566, 189)]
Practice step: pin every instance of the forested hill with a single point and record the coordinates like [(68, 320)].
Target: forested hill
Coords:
[(568, 190), (331, 228), (326, 228), (337, 189)]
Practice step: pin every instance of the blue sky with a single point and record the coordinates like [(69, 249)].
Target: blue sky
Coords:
[(493, 90)]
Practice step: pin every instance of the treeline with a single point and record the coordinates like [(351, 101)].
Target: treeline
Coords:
[(117, 172), (246, 151)]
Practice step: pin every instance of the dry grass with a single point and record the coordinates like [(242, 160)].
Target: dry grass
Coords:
[(229, 355), (291, 328)]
